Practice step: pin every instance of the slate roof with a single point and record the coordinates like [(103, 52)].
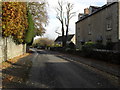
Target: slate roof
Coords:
[(59, 38), (101, 8)]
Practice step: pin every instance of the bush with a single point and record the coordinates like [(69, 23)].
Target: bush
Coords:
[(100, 46), (56, 48), (71, 45), (110, 46), (87, 48), (57, 45), (67, 49)]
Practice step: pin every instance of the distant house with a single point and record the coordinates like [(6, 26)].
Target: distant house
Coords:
[(70, 38)]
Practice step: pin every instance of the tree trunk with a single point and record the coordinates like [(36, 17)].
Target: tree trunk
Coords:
[(66, 35), (63, 40)]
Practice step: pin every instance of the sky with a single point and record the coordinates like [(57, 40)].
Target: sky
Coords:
[(54, 23)]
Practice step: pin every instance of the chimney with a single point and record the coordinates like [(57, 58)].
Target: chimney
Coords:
[(80, 15), (86, 11)]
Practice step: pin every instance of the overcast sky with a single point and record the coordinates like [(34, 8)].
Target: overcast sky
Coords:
[(79, 6)]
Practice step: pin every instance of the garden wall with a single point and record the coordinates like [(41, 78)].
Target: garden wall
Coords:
[(8, 49)]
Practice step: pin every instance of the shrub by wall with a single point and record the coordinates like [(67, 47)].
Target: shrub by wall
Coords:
[(100, 52)]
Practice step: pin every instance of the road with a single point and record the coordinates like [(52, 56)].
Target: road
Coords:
[(51, 71)]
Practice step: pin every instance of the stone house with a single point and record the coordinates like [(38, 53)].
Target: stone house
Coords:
[(99, 24)]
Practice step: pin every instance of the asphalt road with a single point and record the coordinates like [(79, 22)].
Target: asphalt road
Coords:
[(51, 71)]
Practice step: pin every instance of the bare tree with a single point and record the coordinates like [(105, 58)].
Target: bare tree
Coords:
[(56, 31), (69, 15), (60, 17)]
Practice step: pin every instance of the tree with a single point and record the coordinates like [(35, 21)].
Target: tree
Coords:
[(40, 16), (30, 32), (68, 15), (60, 17), (56, 31), (43, 42)]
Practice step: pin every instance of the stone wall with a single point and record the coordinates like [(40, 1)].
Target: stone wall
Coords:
[(8, 49), (1, 50)]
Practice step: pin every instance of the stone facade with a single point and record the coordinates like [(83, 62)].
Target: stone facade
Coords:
[(102, 24)]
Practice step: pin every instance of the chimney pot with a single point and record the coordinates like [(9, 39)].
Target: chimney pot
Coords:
[(86, 11)]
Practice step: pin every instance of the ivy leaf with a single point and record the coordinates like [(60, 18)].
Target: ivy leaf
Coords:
[(3, 26)]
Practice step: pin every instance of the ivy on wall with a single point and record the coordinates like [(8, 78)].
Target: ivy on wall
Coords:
[(14, 20)]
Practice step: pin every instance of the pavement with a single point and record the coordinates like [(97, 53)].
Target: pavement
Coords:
[(57, 70)]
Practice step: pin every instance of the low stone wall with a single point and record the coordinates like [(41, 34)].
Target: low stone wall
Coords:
[(1, 50), (8, 49)]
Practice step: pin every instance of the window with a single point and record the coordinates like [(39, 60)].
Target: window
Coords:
[(109, 23), (89, 33), (109, 38), (89, 30), (99, 39), (109, 26)]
